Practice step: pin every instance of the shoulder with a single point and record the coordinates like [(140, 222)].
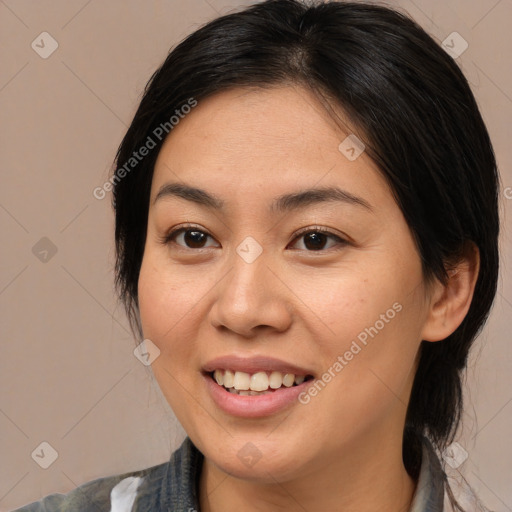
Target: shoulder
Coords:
[(168, 486), (109, 494), (440, 486)]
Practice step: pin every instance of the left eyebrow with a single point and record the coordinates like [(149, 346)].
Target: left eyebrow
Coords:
[(283, 203), (308, 197)]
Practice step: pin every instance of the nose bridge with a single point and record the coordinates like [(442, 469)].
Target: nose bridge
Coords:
[(246, 285)]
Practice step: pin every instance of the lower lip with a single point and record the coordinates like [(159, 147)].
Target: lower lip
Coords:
[(255, 406)]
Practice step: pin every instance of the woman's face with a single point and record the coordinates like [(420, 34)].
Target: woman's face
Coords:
[(325, 286)]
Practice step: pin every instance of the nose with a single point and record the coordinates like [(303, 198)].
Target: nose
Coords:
[(252, 297)]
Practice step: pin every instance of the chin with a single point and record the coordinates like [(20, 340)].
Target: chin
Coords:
[(261, 461)]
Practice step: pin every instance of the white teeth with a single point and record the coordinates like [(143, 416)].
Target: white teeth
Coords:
[(288, 379), (258, 383), (241, 381), (217, 375), (229, 378), (276, 380)]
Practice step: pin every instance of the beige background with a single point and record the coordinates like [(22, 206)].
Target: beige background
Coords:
[(68, 375)]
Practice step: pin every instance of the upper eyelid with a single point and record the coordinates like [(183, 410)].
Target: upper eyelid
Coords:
[(319, 229), (178, 230)]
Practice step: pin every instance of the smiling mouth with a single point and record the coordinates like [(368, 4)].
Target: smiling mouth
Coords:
[(259, 383)]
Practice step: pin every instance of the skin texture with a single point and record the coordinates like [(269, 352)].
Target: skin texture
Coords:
[(342, 450)]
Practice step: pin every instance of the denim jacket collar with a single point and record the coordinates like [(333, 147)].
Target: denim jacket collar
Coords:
[(430, 489)]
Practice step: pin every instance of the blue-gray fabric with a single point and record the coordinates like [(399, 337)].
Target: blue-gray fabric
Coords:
[(173, 487)]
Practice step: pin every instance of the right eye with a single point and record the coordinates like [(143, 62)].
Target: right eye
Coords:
[(189, 237)]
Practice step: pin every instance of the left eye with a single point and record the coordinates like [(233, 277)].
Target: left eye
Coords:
[(315, 240)]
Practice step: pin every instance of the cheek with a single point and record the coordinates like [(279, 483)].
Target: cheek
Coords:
[(167, 305), (348, 301), (367, 375), (167, 300), (168, 312), (375, 319), (378, 356)]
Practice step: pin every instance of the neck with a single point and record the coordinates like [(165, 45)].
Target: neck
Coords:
[(365, 478)]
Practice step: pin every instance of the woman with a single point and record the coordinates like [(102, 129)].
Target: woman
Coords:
[(307, 240)]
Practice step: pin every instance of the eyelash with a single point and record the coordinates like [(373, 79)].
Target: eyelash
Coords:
[(168, 238)]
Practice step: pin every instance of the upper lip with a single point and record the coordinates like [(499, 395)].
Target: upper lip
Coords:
[(254, 364)]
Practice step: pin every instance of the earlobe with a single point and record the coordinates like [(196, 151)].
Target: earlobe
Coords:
[(450, 302)]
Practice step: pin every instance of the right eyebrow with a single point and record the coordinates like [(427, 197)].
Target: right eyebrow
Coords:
[(189, 193)]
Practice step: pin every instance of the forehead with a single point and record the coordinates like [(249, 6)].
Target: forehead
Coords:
[(268, 122), (248, 140)]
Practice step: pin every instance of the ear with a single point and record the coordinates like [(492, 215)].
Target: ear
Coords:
[(449, 303)]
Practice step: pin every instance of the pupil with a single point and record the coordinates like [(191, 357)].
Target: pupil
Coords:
[(195, 239), (317, 240)]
